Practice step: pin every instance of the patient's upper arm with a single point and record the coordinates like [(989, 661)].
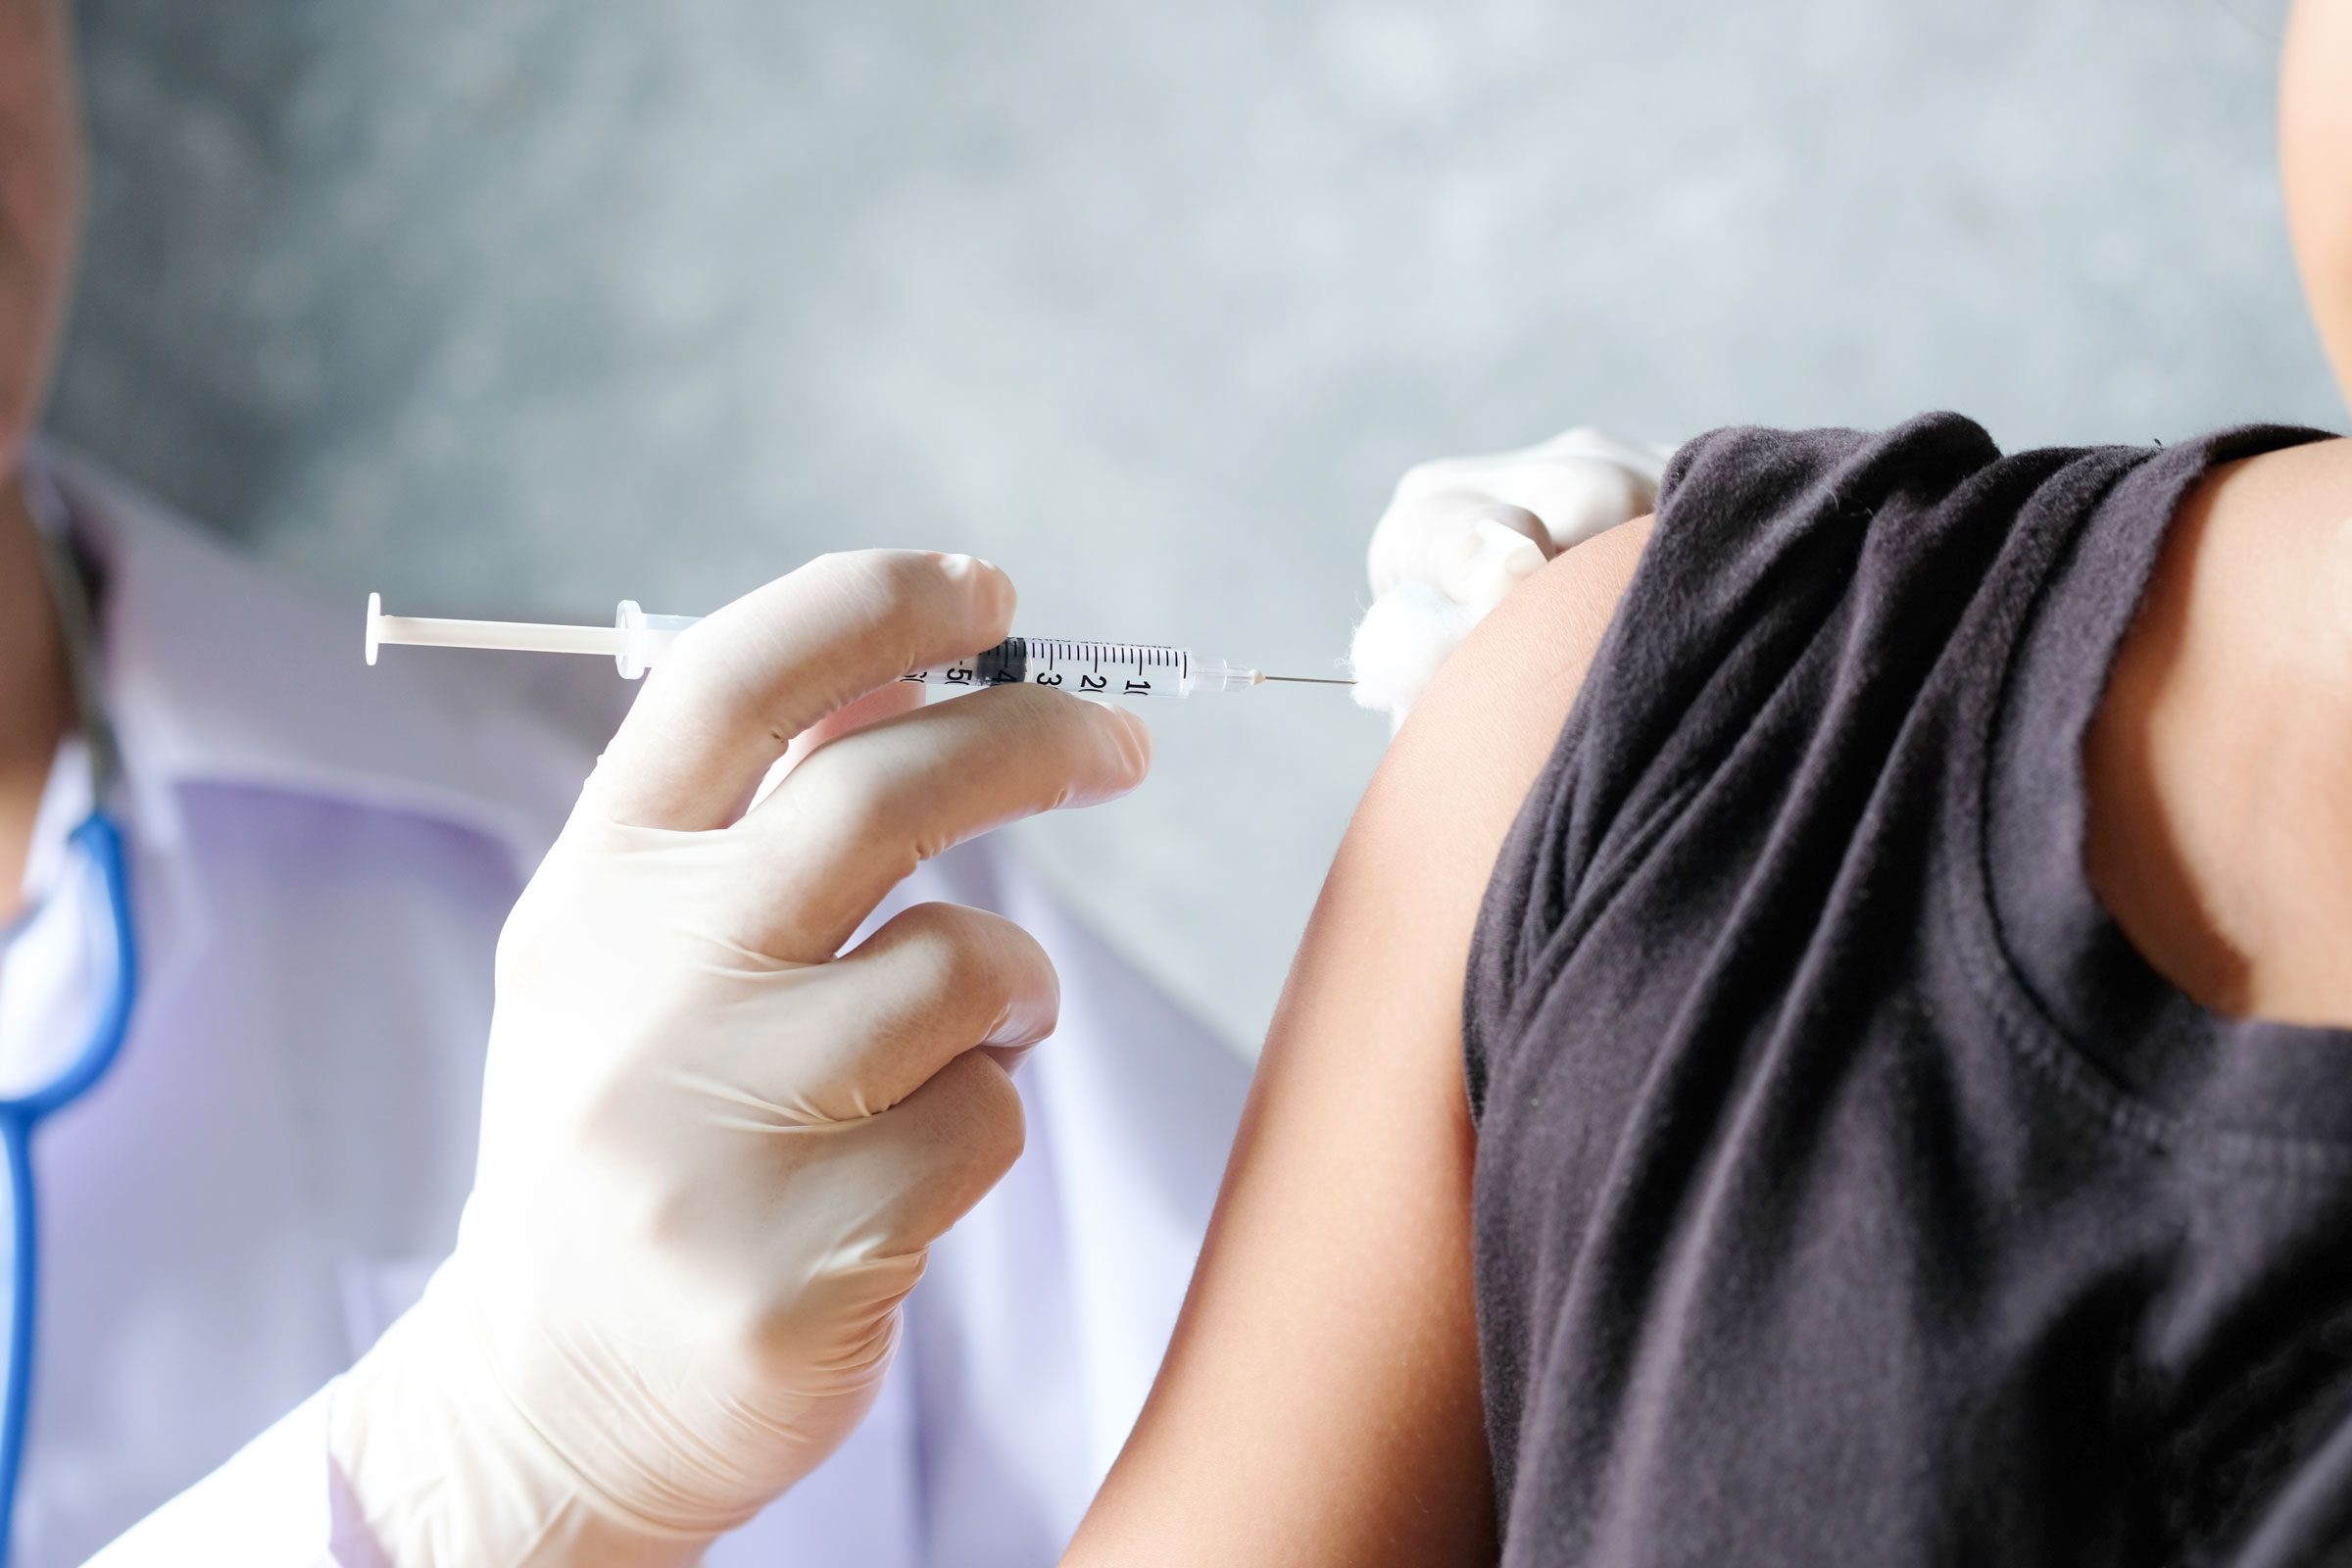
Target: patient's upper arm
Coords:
[(1320, 1403)]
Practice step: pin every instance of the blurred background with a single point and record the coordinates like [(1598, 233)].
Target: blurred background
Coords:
[(521, 305)]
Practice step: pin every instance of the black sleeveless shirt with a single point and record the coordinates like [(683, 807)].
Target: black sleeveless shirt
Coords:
[(1848, 1190)]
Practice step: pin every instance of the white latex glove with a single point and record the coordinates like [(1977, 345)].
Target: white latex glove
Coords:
[(1462, 532), (713, 1154)]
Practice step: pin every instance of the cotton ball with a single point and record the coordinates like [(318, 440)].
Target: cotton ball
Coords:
[(1401, 641)]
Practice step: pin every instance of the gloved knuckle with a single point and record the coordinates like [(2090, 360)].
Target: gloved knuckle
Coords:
[(1088, 746), (759, 1318), (841, 802), (614, 1121), (908, 578), (663, 1217), (971, 973), (836, 569), (994, 1129), (1016, 724), (782, 1340), (946, 951), (1031, 710), (893, 589)]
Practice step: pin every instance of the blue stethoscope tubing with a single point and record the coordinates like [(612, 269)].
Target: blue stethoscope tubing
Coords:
[(99, 839), (100, 843)]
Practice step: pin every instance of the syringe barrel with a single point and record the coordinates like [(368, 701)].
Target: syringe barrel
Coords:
[(1084, 669)]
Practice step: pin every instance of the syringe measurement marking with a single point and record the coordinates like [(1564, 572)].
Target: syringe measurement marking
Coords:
[(1038, 660)]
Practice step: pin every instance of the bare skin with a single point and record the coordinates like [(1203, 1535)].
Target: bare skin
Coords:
[(1323, 1383), (1319, 1403), (2219, 762), (40, 199)]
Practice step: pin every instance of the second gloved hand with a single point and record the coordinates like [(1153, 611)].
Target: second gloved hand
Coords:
[(1462, 532), (712, 1152)]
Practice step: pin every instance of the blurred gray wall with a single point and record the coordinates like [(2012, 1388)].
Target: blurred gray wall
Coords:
[(525, 305)]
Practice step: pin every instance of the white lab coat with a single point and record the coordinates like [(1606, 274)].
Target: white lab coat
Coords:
[(322, 856)]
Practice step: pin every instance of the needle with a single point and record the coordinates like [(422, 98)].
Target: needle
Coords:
[(1308, 681)]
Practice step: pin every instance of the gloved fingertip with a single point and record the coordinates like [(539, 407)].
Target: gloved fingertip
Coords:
[(991, 587), (1139, 741), (1124, 759), (1509, 550), (1492, 557)]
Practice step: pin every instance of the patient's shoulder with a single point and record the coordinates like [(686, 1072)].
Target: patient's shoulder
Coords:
[(2306, 484), (1502, 696), (2226, 620), (1445, 798)]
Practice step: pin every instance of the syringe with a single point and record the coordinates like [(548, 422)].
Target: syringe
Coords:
[(636, 641)]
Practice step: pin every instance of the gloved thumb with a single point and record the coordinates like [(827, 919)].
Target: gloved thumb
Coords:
[(1472, 549)]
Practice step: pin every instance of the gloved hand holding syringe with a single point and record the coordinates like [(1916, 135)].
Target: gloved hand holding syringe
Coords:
[(636, 641), (720, 1129)]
